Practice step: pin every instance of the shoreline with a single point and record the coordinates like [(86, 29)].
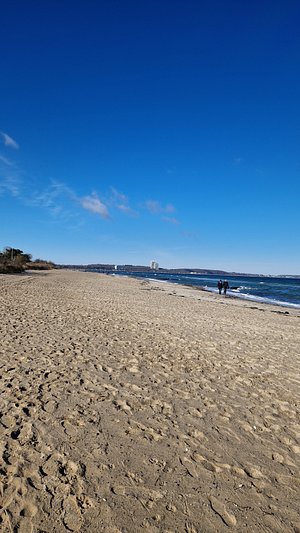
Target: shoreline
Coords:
[(129, 405), (221, 299), (240, 296)]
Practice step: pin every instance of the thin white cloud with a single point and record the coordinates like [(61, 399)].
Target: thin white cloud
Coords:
[(127, 210), (169, 208), (11, 185), (155, 208), (48, 197), (120, 201), (93, 203), (55, 199), (6, 161), (171, 220), (9, 141), (59, 200), (118, 196)]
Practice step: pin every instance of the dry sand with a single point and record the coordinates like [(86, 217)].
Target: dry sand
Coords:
[(129, 406)]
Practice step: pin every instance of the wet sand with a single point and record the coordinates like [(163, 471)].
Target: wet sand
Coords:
[(130, 406)]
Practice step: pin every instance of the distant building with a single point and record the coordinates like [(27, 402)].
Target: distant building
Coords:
[(116, 267), (154, 265)]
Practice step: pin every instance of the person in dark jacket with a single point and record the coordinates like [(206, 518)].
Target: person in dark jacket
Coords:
[(225, 286), (220, 286)]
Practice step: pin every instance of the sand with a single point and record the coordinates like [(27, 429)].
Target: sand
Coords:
[(130, 406)]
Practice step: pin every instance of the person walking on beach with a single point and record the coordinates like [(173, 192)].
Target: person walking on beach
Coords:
[(220, 286), (225, 286)]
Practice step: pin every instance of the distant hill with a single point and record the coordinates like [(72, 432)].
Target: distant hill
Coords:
[(103, 267), (109, 268)]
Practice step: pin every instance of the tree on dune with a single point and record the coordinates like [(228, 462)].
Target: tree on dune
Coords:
[(14, 260)]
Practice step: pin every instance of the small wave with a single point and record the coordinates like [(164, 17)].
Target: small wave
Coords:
[(157, 280), (210, 289), (252, 298), (261, 299), (244, 288), (234, 289)]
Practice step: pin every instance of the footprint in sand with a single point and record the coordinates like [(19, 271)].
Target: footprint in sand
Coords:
[(28, 512), (122, 405), (25, 433), (253, 472), (72, 516), (221, 510), (50, 406), (18, 510)]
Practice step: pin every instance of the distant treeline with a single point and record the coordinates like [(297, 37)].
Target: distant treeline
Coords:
[(104, 267), (14, 260)]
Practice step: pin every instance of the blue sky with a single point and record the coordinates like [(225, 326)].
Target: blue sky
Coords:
[(159, 130)]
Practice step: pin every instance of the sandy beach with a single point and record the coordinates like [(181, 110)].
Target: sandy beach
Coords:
[(130, 406)]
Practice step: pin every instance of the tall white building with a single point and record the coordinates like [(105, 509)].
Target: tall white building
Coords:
[(154, 265)]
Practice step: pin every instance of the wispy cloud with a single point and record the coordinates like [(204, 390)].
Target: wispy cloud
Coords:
[(120, 201), (11, 185), (171, 220), (65, 204), (189, 234), (60, 201), (117, 196), (6, 161), (8, 141), (49, 196), (127, 210), (93, 204), (155, 207), (57, 199)]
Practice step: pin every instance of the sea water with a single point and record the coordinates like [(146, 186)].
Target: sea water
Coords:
[(271, 290)]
